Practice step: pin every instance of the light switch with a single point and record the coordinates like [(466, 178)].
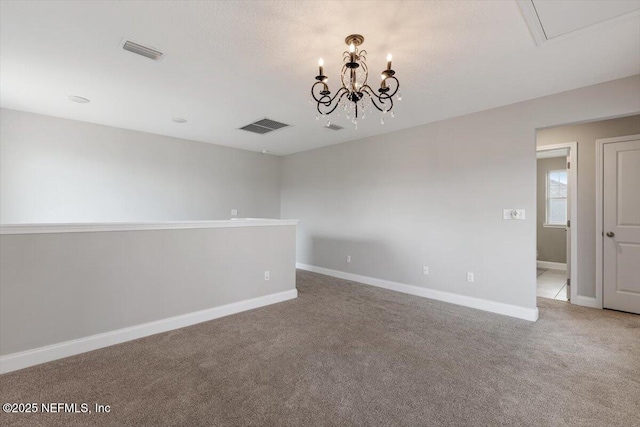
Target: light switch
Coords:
[(513, 214)]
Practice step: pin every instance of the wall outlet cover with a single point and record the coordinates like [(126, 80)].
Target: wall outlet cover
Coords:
[(513, 214)]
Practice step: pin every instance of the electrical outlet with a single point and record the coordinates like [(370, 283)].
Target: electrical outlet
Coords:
[(234, 212), (348, 258), (470, 277), (266, 275), (425, 270)]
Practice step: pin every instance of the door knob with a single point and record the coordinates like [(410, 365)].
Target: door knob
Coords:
[(610, 234)]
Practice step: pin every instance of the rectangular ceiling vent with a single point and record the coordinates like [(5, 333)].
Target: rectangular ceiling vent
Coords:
[(142, 50), (334, 127), (264, 126)]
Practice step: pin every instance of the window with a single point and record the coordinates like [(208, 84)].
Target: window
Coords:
[(556, 198)]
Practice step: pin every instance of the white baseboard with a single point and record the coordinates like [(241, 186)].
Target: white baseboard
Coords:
[(24, 359), (585, 301), (525, 313), (551, 265)]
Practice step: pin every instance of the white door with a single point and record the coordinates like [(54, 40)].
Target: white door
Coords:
[(621, 226)]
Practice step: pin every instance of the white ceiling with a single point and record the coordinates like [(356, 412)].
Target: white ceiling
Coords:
[(231, 63)]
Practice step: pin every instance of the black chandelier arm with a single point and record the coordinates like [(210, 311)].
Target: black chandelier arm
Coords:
[(392, 93), (382, 98), (313, 94), (344, 92), (326, 100)]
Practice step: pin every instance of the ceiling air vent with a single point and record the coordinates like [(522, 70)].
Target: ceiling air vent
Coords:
[(334, 127), (142, 50), (264, 126)]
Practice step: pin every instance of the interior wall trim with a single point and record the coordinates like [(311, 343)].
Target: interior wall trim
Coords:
[(139, 226), (24, 359), (525, 313), (585, 301), (552, 265)]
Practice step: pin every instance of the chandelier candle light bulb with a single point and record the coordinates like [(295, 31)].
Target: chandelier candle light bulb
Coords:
[(389, 62), (321, 66)]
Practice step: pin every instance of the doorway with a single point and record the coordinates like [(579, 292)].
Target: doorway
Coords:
[(556, 220), (586, 282)]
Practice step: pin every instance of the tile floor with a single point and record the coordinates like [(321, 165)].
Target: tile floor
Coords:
[(552, 284)]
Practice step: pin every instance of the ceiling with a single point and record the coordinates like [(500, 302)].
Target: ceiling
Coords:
[(228, 64)]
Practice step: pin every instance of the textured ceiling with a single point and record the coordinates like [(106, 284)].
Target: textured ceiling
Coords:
[(228, 64)]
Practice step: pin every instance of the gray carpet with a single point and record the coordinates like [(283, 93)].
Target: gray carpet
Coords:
[(350, 354)]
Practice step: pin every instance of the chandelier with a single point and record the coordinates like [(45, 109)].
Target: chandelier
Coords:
[(355, 96)]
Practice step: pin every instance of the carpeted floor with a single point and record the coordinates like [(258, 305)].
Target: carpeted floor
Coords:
[(350, 354)]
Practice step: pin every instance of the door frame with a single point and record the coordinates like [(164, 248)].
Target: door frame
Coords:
[(573, 214), (600, 143)]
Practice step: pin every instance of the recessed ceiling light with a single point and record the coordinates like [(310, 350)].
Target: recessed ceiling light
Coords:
[(79, 99), (179, 120)]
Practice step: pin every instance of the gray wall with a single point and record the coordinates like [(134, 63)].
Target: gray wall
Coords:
[(551, 241), (59, 170), (62, 286), (433, 195), (586, 134)]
